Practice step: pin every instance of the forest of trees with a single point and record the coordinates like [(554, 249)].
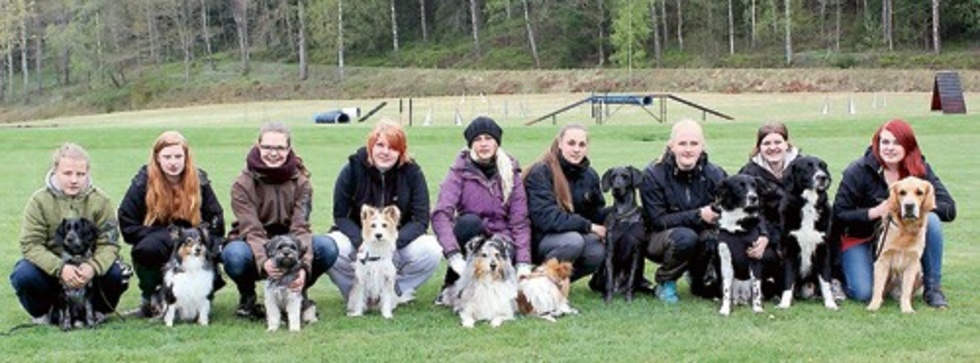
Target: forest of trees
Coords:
[(99, 43)]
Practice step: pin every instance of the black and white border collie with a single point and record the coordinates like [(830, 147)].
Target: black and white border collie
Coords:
[(77, 238), (805, 213), (188, 280), (739, 227)]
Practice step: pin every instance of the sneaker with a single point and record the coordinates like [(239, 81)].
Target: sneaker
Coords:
[(41, 320), (667, 292), (249, 309), (837, 290), (934, 297), (406, 297)]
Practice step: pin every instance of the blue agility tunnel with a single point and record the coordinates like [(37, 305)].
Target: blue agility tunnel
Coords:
[(639, 100), (332, 117)]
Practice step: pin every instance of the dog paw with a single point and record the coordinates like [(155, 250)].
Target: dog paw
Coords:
[(468, 324), (830, 305), (758, 309), (908, 311), (547, 317), (497, 322), (783, 306), (387, 315), (354, 314), (725, 311)]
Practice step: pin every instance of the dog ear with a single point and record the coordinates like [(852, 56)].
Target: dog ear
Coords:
[(607, 178), (175, 234), (929, 199), (636, 175), (91, 231), (270, 246), (367, 212), (894, 204), (722, 192), (392, 212), (474, 244)]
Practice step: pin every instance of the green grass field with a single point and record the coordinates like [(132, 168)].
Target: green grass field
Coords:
[(644, 330)]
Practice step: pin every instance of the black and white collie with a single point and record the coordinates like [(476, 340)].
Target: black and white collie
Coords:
[(374, 269), (286, 253), (487, 290), (739, 227), (188, 280), (805, 213), (77, 238)]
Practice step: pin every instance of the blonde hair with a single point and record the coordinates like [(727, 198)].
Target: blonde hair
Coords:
[(69, 150), (165, 202)]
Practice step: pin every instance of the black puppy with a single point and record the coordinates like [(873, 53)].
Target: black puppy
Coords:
[(76, 237), (805, 213), (623, 268)]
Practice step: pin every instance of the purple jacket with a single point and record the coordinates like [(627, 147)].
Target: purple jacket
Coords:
[(467, 191)]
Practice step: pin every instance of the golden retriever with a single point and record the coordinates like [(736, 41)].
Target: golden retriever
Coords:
[(902, 241)]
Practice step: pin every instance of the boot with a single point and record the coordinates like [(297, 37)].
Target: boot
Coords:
[(934, 297), (248, 308)]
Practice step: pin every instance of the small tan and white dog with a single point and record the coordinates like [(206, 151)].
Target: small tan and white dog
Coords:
[(487, 289), (544, 293), (286, 253), (374, 267), (188, 279)]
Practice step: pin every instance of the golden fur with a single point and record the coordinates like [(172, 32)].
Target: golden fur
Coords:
[(544, 293), (374, 268), (903, 241)]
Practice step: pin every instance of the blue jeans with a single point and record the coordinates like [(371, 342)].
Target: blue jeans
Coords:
[(240, 263), (38, 292), (858, 263)]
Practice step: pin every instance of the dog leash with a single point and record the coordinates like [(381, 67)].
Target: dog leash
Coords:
[(884, 234)]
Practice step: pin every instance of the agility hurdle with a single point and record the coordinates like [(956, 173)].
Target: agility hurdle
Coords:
[(601, 111)]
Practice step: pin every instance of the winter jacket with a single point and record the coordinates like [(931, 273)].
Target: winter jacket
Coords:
[(770, 190), (132, 210), (360, 183), (547, 217), (467, 190), (48, 207), (674, 198), (264, 210), (863, 187)]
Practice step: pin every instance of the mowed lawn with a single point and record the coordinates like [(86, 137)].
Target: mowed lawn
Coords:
[(644, 330)]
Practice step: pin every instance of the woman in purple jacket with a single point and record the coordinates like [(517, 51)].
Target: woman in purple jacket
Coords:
[(483, 194)]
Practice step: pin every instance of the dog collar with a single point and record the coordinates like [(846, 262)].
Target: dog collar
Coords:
[(368, 258)]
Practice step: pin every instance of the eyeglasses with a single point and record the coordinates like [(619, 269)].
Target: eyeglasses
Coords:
[(276, 148)]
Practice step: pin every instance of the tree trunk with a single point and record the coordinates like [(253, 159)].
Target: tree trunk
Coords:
[(886, 23), (530, 36), (507, 9), (151, 31), (24, 46), (657, 51), (206, 33), (394, 26), (303, 67), (602, 32), (425, 26), (183, 20), (731, 28), (837, 29), (663, 23), (240, 14), (823, 22), (3, 84), (789, 36), (38, 56), (475, 21), (340, 39), (680, 26), (935, 27), (752, 29)]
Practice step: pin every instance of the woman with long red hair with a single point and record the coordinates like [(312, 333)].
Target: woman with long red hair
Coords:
[(168, 190), (379, 174), (861, 203)]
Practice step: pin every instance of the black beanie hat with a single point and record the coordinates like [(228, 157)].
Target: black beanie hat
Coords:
[(482, 125)]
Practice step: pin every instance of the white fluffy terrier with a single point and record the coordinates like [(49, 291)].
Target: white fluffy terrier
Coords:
[(286, 253), (374, 268)]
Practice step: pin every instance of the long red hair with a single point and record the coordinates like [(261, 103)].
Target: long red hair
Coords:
[(912, 163), (395, 135), (166, 202)]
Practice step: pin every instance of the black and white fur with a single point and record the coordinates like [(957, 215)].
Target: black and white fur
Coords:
[(374, 267), (487, 290), (806, 217), (77, 238), (739, 227), (623, 265), (188, 279), (286, 253)]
